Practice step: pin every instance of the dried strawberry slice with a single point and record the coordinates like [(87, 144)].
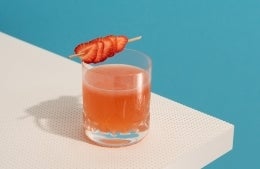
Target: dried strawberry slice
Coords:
[(121, 43), (87, 51), (108, 48), (114, 42), (100, 48)]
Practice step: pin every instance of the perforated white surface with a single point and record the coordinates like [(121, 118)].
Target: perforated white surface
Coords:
[(40, 121)]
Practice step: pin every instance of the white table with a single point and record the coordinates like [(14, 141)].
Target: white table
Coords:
[(40, 121)]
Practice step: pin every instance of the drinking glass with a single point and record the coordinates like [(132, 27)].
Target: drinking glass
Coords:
[(116, 99)]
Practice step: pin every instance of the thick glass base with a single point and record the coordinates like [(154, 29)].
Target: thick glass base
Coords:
[(115, 139)]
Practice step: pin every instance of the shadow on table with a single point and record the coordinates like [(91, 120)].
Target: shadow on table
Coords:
[(61, 116)]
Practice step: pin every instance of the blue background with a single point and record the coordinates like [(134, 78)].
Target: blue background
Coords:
[(206, 53)]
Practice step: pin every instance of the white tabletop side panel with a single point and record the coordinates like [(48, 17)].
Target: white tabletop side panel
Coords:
[(41, 125)]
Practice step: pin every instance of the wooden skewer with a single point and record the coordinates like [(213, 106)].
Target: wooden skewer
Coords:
[(129, 40), (74, 55), (134, 39)]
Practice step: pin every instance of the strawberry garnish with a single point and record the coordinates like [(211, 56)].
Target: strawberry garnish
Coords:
[(99, 49)]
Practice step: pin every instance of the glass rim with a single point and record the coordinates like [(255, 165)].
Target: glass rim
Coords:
[(144, 72), (145, 56)]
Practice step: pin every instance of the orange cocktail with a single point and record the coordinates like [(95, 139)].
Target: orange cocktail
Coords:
[(116, 100)]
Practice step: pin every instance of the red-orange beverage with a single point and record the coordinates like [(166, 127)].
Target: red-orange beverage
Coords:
[(116, 101)]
